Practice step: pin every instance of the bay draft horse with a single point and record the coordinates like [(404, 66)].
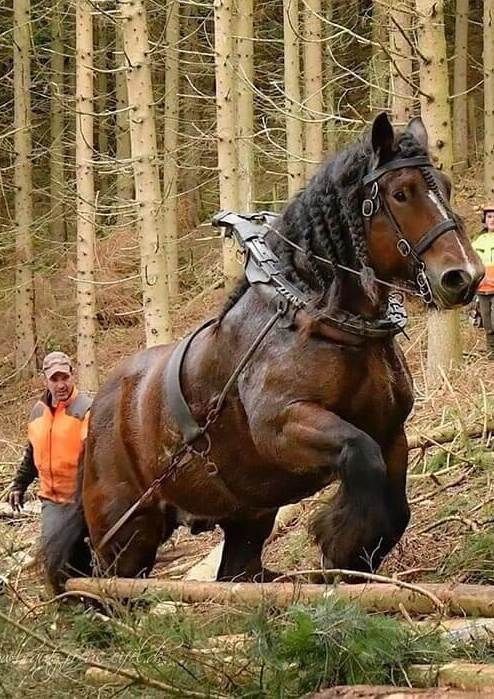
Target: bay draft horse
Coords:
[(316, 403)]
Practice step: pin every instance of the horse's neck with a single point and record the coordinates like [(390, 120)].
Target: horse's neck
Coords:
[(354, 300)]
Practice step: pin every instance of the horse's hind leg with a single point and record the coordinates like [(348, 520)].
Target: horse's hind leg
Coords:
[(244, 540), (369, 513)]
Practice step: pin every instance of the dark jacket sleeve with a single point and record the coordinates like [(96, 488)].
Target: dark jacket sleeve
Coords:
[(27, 471)]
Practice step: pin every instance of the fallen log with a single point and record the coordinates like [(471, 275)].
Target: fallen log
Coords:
[(368, 692), (466, 630), (460, 600), (422, 441), (457, 674)]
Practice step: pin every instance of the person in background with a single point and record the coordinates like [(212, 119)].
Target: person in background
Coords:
[(57, 430), (484, 246)]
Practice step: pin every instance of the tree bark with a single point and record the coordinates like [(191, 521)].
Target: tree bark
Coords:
[(329, 89), (170, 146), (57, 173), (146, 175), (225, 125), (460, 100), (379, 63), (313, 86), (125, 186), (294, 144), (245, 103), (489, 99), (401, 67), (86, 294), (24, 291), (444, 339)]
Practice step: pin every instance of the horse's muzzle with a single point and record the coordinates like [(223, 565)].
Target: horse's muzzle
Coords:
[(456, 286)]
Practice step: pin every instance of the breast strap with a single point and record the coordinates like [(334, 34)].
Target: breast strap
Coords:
[(177, 403)]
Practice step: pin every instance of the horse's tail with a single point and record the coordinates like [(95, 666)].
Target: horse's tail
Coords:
[(64, 545)]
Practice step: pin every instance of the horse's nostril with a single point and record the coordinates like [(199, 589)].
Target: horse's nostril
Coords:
[(456, 280)]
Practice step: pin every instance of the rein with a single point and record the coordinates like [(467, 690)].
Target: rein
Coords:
[(264, 273)]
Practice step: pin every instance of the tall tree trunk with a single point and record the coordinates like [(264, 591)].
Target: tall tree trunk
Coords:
[(125, 186), (102, 83), (225, 124), (313, 85), (245, 103), (57, 173), (460, 100), (294, 144), (329, 89), (86, 294), (170, 145), (24, 293), (489, 99), (444, 339), (379, 63), (146, 174), (401, 66)]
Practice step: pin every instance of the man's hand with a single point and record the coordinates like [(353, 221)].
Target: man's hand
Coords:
[(16, 500)]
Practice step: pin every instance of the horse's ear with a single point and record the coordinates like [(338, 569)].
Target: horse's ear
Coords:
[(383, 138), (416, 127)]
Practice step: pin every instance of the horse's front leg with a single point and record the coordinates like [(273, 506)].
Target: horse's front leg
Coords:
[(359, 526), (369, 513)]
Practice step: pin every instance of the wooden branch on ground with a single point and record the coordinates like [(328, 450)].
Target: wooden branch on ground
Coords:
[(457, 674), (448, 435), (469, 600), (381, 692)]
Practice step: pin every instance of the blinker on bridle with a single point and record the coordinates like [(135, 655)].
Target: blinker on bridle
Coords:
[(372, 204)]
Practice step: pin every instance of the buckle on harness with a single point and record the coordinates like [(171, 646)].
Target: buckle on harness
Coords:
[(404, 247)]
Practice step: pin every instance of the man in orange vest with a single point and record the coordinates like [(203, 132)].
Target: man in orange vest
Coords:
[(484, 245), (56, 433)]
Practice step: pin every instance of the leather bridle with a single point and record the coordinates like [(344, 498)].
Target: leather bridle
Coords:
[(376, 201)]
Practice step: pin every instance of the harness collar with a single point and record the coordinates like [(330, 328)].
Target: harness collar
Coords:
[(264, 273)]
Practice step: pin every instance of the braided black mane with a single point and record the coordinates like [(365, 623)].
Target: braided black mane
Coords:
[(325, 219)]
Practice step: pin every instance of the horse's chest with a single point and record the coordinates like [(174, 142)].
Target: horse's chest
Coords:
[(381, 399)]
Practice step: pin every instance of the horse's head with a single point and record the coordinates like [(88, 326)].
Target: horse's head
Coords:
[(413, 233)]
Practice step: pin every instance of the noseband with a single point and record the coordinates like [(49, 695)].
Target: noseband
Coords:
[(372, 204)]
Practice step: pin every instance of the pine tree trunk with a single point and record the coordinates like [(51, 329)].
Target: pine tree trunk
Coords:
[(379, 63), (146, 175), (294, 143), (57, 173), (225, 124), (401, 67), (329, 90), (125, 186), (245, 103), (489, 99), (102, 82), (313, 85), (86, 294), (444, 339), (460, 101), (24, 293), (170, 146)]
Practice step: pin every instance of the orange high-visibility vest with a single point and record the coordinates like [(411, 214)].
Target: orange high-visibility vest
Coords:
[(57, 437)]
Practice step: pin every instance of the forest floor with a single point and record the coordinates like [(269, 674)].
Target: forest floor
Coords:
[(268, 653)]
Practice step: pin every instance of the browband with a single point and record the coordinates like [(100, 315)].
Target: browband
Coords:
[(417, 161)]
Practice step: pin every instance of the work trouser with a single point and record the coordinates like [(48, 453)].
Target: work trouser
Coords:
[(64, 550), (486, 307)]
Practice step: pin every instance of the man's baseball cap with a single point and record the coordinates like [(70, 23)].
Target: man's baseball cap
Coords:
[(56, 361), (487, 208)]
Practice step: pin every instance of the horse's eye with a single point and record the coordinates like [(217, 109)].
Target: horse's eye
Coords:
[(400, 196)]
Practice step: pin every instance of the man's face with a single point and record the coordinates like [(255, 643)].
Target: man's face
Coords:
[(60, 386), (489, 220)]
